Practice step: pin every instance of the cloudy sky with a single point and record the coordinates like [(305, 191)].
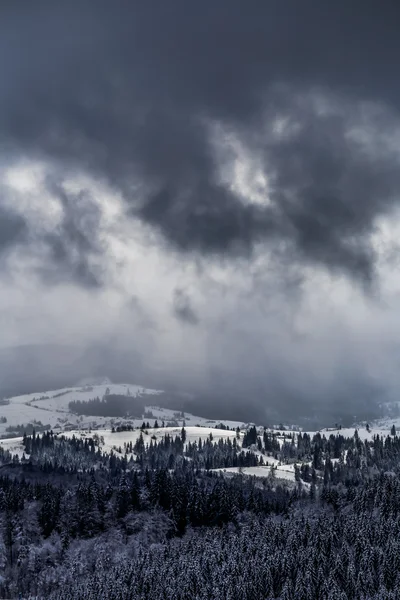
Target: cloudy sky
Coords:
[(210, 187)]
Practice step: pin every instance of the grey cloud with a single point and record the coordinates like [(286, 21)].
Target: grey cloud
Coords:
[(328, 191), (75, 241), (138, 313), (13, 229), (126, 91), (65, 253), (123, 90), (183, 309)]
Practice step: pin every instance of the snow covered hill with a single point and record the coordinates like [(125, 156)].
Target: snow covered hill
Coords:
[(52, 410), (117, 441)]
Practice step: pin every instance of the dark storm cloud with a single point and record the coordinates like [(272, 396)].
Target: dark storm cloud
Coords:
[(123, 90), (75, 241), (13, 229), (327, 191), (183, 309)]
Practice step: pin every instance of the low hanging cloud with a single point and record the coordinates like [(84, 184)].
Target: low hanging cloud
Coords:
[(75, 240), (183, 309)]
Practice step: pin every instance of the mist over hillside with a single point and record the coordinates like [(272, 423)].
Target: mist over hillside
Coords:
[(38, 367)]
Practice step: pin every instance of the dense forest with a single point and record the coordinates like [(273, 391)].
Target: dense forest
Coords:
[(111, 405), (152, 520)]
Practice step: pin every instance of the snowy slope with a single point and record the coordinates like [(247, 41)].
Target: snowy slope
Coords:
[(283, 472), (348, 432), (112, 441), (115, 441), (51, 408), (13, 445)]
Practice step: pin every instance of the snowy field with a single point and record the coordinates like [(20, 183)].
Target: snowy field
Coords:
[(376, 428), (112, 441), (52, 408), (13, 445), (280, 472), (115, 442)]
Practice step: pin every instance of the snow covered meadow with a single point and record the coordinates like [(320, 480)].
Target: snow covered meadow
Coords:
[(51, 410)]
